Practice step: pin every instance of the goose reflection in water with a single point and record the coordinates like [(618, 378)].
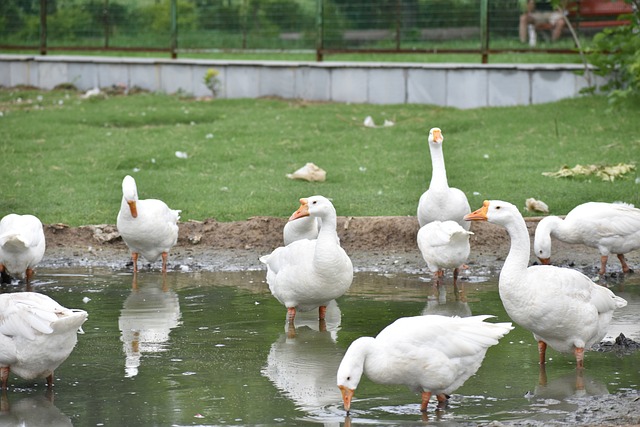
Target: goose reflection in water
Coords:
[(573, 384), (32, 411), (304, 367), (448, 305), (147, 317)]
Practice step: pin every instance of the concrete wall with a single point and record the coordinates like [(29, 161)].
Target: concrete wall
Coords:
[(452, 85)]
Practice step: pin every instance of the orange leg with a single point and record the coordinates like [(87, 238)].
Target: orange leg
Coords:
[(134, 256), (455, 276), (50, 380), (4, 377), (29, 274), (164, 262), (322, 312), (291, 314), (579, 352), (542, 350), (623, 263), (443, 399), (603, 264), (426, 395)]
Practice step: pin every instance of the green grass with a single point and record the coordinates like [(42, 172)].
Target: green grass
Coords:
[(64, 157)]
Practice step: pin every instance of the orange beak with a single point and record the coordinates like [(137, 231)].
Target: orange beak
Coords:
[(132, 208), (347, 395), (302, 211), (437, 136), (545, 261), (480, 214)]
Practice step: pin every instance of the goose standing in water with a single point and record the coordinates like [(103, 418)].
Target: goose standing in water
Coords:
[(308, 274), (429, 354), (22, 245), (562, 307), (36, 335), (148, 227)]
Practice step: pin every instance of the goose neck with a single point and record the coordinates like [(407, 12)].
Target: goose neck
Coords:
[(438, 170), (518, 259)]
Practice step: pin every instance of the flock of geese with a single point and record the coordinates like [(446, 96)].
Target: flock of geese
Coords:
[(431, 354)]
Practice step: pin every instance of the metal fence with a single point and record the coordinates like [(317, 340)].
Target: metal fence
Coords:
[(313, 26)]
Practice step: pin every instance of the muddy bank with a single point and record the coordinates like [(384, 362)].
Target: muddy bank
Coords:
[(386, 244)]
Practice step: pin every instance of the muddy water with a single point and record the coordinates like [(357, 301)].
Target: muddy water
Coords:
[(213, 349)]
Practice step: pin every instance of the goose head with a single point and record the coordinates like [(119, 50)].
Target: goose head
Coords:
[(542, 241), (314, 206), (130, 194), (435, 136), (351, 369), (494, 211)]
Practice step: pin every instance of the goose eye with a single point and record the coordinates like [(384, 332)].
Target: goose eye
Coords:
[(497, 207), (348, 378), (314, 202)]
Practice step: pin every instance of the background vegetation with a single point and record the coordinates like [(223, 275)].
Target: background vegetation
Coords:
[(64, 156)]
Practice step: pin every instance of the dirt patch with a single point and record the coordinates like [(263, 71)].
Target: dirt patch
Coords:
[(374, 244)]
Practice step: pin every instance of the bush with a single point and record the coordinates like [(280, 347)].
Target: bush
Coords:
[(616, 53)]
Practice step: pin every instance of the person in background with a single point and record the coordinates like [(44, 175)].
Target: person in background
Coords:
[(541, 12)]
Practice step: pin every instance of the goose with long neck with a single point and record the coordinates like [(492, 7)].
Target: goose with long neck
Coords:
[(148, 227), (612, 228), (308, 274), (432, 355), (562, 307), (441, 202), (22, 245)]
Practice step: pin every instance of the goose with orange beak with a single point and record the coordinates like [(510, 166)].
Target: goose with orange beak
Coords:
[(148, 227), (430, 354), (307, 274), (562, 307)]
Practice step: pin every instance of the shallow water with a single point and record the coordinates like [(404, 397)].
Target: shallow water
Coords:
[(213, 349)]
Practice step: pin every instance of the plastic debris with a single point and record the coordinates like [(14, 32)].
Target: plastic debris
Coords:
[(534, 205), (368, 122), (604, 172), (309, 172), (181, 155), (91, 92)]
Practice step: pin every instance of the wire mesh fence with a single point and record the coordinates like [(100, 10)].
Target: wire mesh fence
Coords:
[(319, 26)]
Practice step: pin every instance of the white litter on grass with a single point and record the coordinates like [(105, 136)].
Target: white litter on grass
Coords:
[(209, 136), (86, 300), (91, 92), (534, 205), (368, 122), (181, 155), (309, 172)]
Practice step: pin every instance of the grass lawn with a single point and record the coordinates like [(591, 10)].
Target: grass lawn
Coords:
[(64, 157)]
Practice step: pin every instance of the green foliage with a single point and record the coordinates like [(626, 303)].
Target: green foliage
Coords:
[(65, 156), (616, 54)]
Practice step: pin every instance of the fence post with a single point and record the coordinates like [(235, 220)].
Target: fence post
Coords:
[(484, 30), (319, 30), (174, 30), (43, 27), (105, 20)]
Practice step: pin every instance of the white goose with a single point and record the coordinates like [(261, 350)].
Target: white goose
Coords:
[(302, 228), (441, 202), (612, 228), (429, 354), (36, 335), (22, 245), (444, 245), (562, 307), (148, 227), (308, 274)]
